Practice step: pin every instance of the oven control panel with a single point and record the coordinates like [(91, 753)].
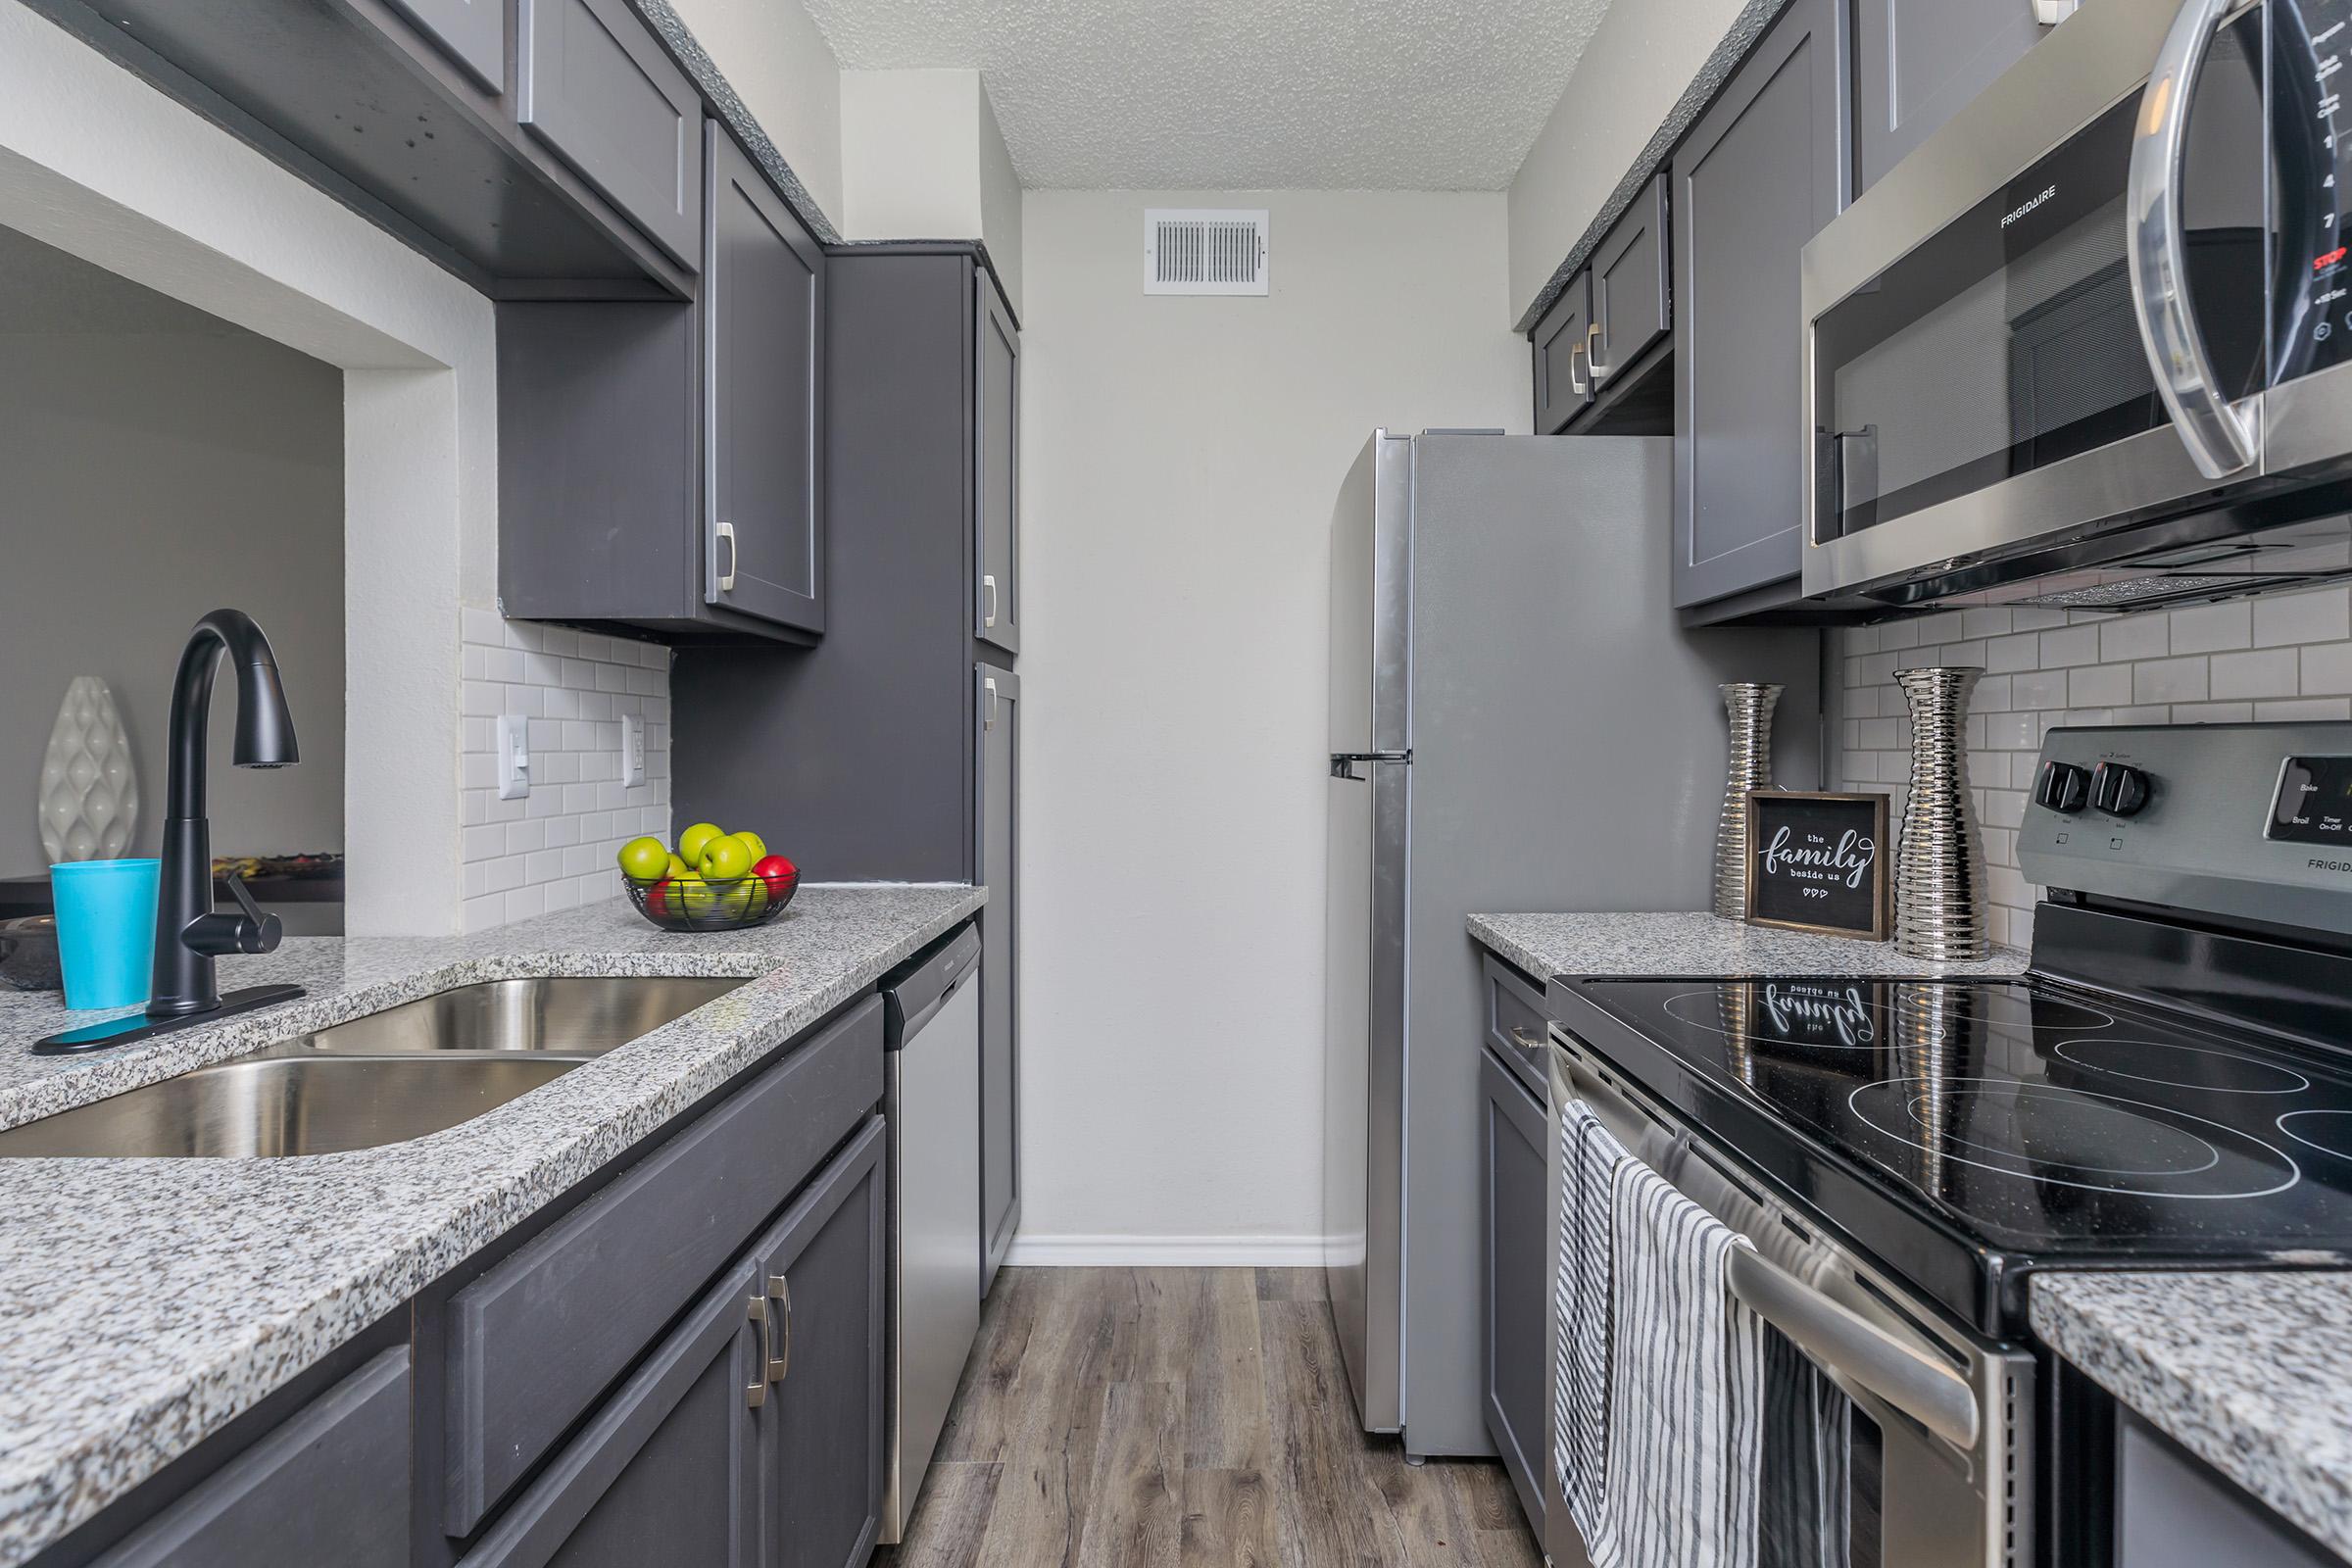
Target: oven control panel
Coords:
[(2252, 821)]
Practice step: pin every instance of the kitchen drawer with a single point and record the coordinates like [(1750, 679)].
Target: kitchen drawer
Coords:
[(538, 1338), (1516, 1023), (330, 1485), (598, 88)]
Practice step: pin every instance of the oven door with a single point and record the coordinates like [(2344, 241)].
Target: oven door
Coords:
[(1892, 1439), (1978, 368)]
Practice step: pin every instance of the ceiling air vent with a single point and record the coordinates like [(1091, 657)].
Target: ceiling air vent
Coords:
[(1203, 251)]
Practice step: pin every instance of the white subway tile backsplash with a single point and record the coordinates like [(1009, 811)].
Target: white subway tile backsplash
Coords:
[(2281, 659), (555, 847)]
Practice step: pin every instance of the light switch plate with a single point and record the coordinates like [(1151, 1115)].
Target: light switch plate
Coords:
[(513, 757), (632, 750)]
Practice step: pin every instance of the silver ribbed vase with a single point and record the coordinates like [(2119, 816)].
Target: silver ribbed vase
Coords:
[(1939, 909), (1748, 706)]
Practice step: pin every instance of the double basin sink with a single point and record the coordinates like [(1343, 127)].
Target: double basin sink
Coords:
[(384, 1078)]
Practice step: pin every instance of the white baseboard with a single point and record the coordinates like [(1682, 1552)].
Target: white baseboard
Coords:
[(1165, 1251)]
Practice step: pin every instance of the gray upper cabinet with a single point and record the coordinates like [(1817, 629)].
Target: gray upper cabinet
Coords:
[(1631, 289), (822, 1451), (1760, 173), (996, 490), (1918, 60), (328, 1485), (999, 770), (596, 87), (764, 363), (471, 33), (1561, 341)]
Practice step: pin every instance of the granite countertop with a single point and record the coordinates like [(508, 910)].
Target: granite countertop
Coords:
[(1696, 942), (249, 1270), (2251, 1372)]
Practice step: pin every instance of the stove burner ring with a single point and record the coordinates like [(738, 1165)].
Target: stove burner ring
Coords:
[(2199, 1150), (2321, 1125), (2048, 1016), (1836, 1013), (2259, 1077), (2251, 1149)]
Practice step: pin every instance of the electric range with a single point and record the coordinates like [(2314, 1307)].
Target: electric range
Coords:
[(2169, 1084)]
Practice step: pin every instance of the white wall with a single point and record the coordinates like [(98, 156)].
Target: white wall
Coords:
[(1180, 458), (786, 75), (923, 159), (160, 464), (1641, 58), (2285, 657)]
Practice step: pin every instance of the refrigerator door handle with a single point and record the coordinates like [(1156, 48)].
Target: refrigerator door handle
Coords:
[(1342, 764)]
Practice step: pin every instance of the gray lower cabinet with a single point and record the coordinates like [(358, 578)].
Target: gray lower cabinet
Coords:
[(1763, 170), (328, 1485), (822, 1424), (661, 465), (997, 486), (1916, 62), (1512, 1126), (999, 772), (764, 363), (595, 84), (2173, 1511), (1560, 343)]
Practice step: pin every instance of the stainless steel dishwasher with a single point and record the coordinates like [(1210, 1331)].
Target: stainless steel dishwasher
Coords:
[(933, 1103)]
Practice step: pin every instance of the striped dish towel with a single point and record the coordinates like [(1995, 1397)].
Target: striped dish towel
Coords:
[(1685, 1387), (1589, 1160)]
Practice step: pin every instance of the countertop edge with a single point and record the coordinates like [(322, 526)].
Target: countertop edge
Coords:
[(1682, 942)]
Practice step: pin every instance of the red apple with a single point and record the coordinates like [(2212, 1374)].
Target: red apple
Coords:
[(657, 897), (781, 877)]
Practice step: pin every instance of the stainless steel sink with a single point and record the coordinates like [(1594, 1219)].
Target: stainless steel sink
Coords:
[(382, 1079)]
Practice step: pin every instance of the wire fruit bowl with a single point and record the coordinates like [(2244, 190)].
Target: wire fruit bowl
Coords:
[(732, 904)]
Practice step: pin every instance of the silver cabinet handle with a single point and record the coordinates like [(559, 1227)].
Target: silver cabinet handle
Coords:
[(1858, 1351), (779, 1362), (726, 536), (988, 601), (1599, 371), (1576, 382), (1519, 1039), (2217, 436), (988, 687), (754, 1393)]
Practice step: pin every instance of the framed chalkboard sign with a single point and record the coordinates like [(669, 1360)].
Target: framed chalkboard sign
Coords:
[(1819, 863)]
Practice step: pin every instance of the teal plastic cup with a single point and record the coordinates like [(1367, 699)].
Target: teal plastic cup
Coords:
[(106, 929)]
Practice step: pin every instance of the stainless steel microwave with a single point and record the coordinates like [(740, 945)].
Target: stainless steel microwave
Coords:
[(2090, 345)]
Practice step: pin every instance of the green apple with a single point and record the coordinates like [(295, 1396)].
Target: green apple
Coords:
[(644, 861), (696, 839), (677, 868), (725, 858), (758, 846)]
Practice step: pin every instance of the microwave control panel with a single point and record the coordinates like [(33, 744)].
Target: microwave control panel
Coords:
[(2311, 44)]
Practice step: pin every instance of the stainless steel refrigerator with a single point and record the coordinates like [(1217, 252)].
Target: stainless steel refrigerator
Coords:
[(1518, 722)]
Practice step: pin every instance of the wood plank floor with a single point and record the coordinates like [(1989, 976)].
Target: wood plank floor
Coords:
[(1184, 1418)]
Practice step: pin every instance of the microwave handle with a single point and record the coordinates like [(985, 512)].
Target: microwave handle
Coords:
[(2217, 435)]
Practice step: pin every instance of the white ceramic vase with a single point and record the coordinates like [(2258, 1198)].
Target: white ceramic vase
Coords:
[(89, 789)]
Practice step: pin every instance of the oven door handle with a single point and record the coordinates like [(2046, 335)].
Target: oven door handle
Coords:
[(2218, 436), (1856, 1350)]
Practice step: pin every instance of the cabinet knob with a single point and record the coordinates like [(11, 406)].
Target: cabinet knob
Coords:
[(779, 1362), (1600, 371), (1576, 382), (988, 720), (726, 578), (754, 1393), (988, 601)]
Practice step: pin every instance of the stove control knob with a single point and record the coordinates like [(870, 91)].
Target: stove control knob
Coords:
[(2118, 789), (2063, 787)]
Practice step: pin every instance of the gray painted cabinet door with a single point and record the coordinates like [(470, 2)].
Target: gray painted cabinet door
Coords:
[(1630, 292), (1560, 342), (1000, 767), (764, 413), (997, 488), (822, 1451), (595, 84), (471, 33), (667, 1469), (1759, 175), (1511, 1137), (1918, 60)]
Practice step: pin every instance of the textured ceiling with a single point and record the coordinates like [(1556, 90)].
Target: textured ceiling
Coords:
[(1243, 95)]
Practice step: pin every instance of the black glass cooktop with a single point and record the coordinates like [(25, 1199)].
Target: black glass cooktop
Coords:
[(2007, 1124)]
